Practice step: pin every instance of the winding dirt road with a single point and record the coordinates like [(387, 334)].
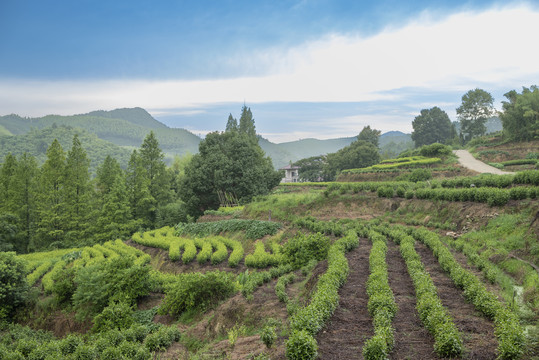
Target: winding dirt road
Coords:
[(467, 160)]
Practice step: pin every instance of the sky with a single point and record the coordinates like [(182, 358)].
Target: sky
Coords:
[(306, 68)]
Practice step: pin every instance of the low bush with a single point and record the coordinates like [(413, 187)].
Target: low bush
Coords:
[(301, 345), (197, 291), (302, 248)]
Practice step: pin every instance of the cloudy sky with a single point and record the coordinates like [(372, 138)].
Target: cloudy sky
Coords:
[(320, 68)]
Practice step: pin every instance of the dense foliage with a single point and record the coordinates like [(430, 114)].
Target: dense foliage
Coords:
[(229, 168), (13, 285), (476, 108), (432, 126), (520, 116)]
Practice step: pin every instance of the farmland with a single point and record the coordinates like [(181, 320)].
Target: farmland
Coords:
[(343, 270)]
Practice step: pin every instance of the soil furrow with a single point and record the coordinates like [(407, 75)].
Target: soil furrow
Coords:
[(477, 331), (412, 340), (349, 327)]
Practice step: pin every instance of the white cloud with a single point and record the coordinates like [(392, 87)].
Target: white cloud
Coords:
[(495, 47)]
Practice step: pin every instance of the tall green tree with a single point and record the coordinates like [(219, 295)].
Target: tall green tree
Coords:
[(247, 123), (141, 202), (7, 169), (78, 193), (23, 194), (115, 220), (520, 116), (477, 107), (432, 126), (229, 164), (151, 158), (107, 173), (232, 124), (51, 205), (358, 154), (370, 135)]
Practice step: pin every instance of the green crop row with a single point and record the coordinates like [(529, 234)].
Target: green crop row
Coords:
[(254, 229), (249, 281), (261, 259), (384, 166), (403, 159), (47, 280), (317, 226), (508, 330), (237, 251), (205, 252), (311, 318), (381, 305), (35, 275), (280, 287), (447, 339)]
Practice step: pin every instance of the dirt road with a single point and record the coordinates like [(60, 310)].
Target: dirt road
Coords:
[(467, 160)]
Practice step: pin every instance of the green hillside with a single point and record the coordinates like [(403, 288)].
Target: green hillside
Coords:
[(123, 127), (36, 141)]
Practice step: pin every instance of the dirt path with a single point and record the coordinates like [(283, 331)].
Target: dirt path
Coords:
[(349, 327), (468, 161), (412, 340), (477, 332)]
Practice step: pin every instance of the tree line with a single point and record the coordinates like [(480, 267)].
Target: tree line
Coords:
[(519, 116), (59, 205)]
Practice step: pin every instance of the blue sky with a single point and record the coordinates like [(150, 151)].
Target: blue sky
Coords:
[(306, 68)]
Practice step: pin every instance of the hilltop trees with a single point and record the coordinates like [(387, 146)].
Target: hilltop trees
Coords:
[(229, 165), (477, 107), (431, 126), (520, 117)]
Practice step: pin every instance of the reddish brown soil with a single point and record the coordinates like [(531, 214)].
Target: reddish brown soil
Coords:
[(349, 327), (412, 340), (477, 331)]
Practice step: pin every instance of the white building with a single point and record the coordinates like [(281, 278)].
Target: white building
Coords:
[(291, 174)]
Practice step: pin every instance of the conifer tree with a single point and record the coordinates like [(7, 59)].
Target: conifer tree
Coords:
[(107, 173), (115, 219), (23, 192), (6, 173), (247, 123), (51, 205), (151, 158), (77, 193), (232, 124), (143, 205)]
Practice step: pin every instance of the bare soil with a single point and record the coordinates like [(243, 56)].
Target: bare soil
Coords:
[(351, 325), (412, 340), (477, 332)]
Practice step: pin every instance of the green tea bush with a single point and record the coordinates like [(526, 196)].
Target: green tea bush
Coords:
[(326, 297), (435, 149), (262, 259), (189, 251), (268, 336), (302, 248), (174, 250), (220, 253), (254, 229), (301, 345), (117, 315), (385, 191), (420, 175), (162, 338), (205, 252), (280, 287), (237, 251), (197, 291)]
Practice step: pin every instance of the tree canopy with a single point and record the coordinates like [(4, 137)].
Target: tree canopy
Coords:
[(520, 117), (229, 164), (431, 126), (370, 135), (477, 107), (358, 154)]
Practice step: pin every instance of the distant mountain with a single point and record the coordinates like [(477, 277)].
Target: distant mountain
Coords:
[(125, 129)]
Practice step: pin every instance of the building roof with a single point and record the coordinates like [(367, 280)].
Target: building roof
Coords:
[(290, 167)]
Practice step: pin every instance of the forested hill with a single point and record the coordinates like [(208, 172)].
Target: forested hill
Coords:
[(128, 127), (123, 127), (36, 142)]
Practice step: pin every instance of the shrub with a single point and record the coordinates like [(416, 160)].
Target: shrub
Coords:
[(117, 315), (420, 175), (115, 279), (301, 346), (13, 285), (197, 291), (385, 191), (435, 149), (268, 336), (302, 248)]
